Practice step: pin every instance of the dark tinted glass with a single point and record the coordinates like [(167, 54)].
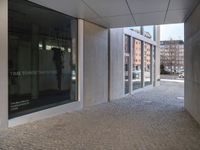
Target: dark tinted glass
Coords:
[(42, 58), (127, 63)]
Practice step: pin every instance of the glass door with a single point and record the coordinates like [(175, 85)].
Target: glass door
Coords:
[(127, 63)]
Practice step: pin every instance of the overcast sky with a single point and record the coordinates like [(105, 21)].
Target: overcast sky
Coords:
[(174, 31)]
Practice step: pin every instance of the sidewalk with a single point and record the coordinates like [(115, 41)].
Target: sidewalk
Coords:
[(150, 120)]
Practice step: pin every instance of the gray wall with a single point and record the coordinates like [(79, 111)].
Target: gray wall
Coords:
[(116, 64), (95, 76), (192, 64), (3, 64)]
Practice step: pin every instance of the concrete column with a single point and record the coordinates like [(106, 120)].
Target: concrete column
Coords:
[(142, 59), (154, 33), (3, 64), (80, 60), (154, 66), (95, 57), (153, 58), (151, 65), (130, 65), (142, 63), (116, 64), (157, 57)]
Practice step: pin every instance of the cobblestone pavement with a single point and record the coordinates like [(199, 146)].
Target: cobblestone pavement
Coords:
[(152, 119)]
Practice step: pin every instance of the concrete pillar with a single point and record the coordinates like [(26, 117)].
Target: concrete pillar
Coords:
[(116, 64), (95, 64), (142, 64), (3, 64), (151, 64), (142, 59), (130, 65), (153, 58), (154, 65), (80, 60), (157, 57)]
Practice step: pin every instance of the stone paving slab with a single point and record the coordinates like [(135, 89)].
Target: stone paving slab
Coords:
[(152, 119)]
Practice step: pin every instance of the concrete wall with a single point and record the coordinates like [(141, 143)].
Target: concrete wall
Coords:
[(192, 64), (95, 76), (116, 64), (3, 64)]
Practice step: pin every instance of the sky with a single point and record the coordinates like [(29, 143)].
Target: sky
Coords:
[(174, 31), (167, 32)]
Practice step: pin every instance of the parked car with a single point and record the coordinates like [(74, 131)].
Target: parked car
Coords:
[(180, 71), (136, 74), (181, 75)]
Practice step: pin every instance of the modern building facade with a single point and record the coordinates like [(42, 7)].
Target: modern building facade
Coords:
[(58, 63), (172, 55), (62, 56)]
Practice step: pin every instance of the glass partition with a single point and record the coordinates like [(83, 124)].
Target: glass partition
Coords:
[(42, 58), (136, 70), (147, 64)]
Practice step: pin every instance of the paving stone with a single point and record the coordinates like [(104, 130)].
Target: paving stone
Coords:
[(151, 119)]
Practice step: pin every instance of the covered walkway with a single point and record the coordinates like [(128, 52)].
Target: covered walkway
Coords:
[(153, 119)]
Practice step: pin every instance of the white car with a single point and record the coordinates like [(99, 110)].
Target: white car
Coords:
[(181, 75)]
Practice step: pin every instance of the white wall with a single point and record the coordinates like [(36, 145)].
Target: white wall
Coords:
[(3, 64), (95, 66), (192, 64), (116, 64)]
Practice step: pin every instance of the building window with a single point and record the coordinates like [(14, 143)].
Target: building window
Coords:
[(42, 58)]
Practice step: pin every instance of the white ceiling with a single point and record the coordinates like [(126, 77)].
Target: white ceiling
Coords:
[(124, 13)]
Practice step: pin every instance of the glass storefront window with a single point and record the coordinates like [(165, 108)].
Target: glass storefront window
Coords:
[(147, 64), (136, 70), (42, 58)]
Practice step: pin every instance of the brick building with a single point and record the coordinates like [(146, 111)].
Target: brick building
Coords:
[(172, 55)]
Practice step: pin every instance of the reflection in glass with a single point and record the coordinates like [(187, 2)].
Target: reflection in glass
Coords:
[(149, 32), (136, 29), (42, 58), (136, 71), (147, 64)]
